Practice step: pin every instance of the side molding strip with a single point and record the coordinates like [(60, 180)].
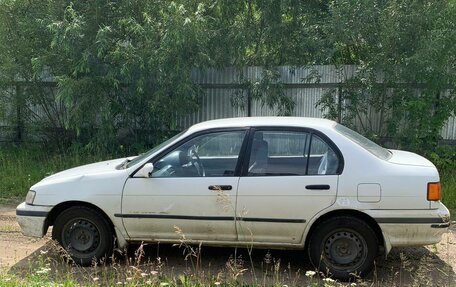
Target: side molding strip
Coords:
[(415, 220), (218, 218), (33, 213)]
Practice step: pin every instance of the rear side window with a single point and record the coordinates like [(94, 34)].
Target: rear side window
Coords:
[(290, 153), (278, 153)]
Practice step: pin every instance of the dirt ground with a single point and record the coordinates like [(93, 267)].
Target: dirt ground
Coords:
[(13, 245), (422, 266)]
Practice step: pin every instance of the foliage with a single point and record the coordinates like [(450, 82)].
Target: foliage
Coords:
[(21, 167), (448, 180), (123, 67), (48, 266), (20, 41), (404, 87), (444, 158), (267, 90)]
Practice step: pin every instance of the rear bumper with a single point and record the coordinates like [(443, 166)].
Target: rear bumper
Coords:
[(402, 228), (401, 235), (32, 219), (441, 225)]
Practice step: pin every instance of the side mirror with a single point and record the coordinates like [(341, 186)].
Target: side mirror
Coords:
[(145, 171)]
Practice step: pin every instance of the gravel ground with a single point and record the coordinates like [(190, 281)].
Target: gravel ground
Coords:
[(421, 266)]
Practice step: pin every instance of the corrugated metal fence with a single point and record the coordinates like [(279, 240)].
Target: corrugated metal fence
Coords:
[(221, 85)]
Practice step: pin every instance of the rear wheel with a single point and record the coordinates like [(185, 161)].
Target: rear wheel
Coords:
[(344, 247), (84, 233)]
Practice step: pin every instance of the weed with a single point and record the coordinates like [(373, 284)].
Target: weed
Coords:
[(448, 180), (23, 166), (190, 252), (50, 267)]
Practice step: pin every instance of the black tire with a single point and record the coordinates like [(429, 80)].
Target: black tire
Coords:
[(84, 233), (343, 247)]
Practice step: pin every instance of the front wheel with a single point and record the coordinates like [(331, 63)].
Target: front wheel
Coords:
[(344, 246), (84, 233)]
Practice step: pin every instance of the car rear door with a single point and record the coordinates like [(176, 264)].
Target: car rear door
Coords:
[(291, 175)]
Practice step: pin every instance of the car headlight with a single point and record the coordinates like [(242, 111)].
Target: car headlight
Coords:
[(30, 197)]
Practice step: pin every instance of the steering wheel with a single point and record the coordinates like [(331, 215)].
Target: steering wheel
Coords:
[(196, 162)]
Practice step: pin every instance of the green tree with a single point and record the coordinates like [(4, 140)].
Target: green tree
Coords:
[(123, 68), (21, 41), (404, 87), (125, 64)]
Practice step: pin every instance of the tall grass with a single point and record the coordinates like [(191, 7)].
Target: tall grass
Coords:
[(448, 180), (51, 266), (23, 166)]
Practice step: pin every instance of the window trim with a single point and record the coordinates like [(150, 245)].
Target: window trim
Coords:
[(246, 147), (309, 131), (333, 147), (169, 149)]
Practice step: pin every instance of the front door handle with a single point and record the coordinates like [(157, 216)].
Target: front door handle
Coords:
[(220, 187), (318, 187)]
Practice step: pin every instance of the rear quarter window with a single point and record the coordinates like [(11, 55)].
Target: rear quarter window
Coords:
[(364, 142)]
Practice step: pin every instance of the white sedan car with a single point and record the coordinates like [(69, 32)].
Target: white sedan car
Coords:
[(278, 182)]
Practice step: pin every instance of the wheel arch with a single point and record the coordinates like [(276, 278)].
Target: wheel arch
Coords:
[(59, 208), (347, 212)]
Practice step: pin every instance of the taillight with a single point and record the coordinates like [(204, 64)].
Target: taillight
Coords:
[(434, 191)]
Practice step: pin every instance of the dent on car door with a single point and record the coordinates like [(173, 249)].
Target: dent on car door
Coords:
[(290, 176), (192, 188)]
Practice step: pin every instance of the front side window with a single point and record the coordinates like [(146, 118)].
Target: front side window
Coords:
[(209, 155), (143, 156)]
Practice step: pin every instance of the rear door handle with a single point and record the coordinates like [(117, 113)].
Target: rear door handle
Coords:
[(318, 187), (220, 187)]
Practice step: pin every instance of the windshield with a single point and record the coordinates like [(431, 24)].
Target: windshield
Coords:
[(367, 144), (148, 153)]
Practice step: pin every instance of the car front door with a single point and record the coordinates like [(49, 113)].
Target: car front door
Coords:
[(191, 192), (291, 175)]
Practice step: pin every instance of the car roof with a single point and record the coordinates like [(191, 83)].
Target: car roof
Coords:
[(263, 121)]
